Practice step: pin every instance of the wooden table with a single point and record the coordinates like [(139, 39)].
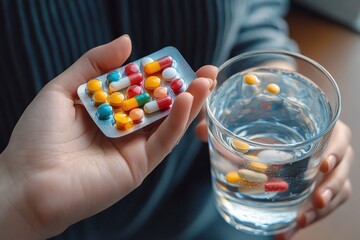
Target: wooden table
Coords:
[(337, 48)]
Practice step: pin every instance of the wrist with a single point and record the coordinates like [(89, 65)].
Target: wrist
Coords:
[(15, 220)]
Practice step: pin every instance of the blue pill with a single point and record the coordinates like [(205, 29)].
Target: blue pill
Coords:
[(104, 111), (113, 76)]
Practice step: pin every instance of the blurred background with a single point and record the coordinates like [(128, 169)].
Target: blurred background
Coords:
[(328, 31)]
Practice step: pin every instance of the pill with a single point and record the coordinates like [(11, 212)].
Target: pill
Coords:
[(169, 74), (249, 156), (146, 60), (278, 186), (152, 82), (116, 99), (113, 76), (274, 156), (158, 104), (158, 65), (233, 177), (100, 97), (136, 115), (240, 145), (258, 166), (131, 68), (177, 85), (136, 101), (160, 92), (133, 91), (93, 86), (252, 176), (273, 88), (122, 121), (104, 111), (251, 79), (135, 78)]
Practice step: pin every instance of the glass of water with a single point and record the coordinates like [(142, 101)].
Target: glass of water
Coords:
[(270, 118)]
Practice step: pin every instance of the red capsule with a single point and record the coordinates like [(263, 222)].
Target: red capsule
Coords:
[(279, 186), (133, 91), (158, 104), (177, 85), (158, 65)]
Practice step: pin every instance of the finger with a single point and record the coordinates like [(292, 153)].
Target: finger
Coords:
[(95, 62), (162, 141), (336, 148), (312, 214), (207, 72), (333, 182)]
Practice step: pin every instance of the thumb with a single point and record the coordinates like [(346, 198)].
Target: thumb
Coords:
[(93, 63)]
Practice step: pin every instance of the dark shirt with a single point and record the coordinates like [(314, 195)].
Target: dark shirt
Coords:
[(40, 39)]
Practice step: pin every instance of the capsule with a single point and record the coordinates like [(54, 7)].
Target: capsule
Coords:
[(135, 78), (177, 85), (276, 186), (252, 176), (113, 76), (104, 111), (131, 68), (158, 104), (123, 121), (152, 82), (93, 86), (273, 88), (169, 74), (133, 91), (158, 65), (136, 101), (145, 61), (137, 115)]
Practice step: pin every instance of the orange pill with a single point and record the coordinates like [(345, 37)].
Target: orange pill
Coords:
[(233, 177), (137, 115), (123, 121), (273, 88), (93, 86), (251, 79), (100, 97), (116, 99), (152, 82), (240, 146), (160, 92)]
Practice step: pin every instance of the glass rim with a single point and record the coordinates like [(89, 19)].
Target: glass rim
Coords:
[(279, 146)]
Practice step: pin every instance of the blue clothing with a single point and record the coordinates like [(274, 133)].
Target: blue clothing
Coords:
[(42, 38)]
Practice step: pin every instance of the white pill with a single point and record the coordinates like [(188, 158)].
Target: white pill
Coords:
[(252, 176), (169, 74), (274, 156)]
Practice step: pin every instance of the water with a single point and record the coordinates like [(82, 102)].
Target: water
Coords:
[(275, 125)]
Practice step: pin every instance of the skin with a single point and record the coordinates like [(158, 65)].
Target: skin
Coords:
[(59, 168)]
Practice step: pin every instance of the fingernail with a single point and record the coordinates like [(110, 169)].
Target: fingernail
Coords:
[(126, 35), (331, 161), (310, 217), (210, 82), (326, 196)]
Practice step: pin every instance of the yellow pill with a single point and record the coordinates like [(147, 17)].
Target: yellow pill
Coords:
[(273, 88), (240, 146), (94, 85), (123, 121), (251, 79), (258, 166), (100, 97), (116, 99), (152, 82), (233, 177), (252, 157)]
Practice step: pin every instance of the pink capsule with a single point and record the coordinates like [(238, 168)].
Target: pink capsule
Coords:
[(131, 68), (158, 65), (135, 78), (158, 104), (177, 85)]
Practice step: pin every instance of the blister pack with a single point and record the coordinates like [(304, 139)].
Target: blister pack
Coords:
[(137, 94)]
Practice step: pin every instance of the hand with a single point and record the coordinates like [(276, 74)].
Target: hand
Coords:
[(59, 168)]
